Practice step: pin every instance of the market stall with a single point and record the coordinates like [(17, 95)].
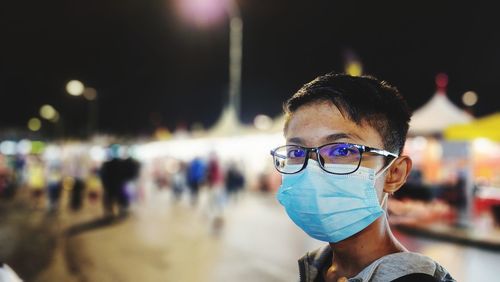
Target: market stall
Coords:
[(483, 136), (440, 176)]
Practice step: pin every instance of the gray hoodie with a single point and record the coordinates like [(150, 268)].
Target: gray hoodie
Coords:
[(384, 269)]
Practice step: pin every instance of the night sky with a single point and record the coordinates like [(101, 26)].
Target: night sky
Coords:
[(152, 67)]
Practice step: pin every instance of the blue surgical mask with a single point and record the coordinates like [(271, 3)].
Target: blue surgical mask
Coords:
[(330, 207)]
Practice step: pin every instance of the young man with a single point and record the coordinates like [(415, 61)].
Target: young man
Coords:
[(342, 158)]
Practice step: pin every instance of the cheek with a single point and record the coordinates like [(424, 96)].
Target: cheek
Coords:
[(372, 162)]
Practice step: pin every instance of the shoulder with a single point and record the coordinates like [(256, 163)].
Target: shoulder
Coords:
[(396, 265)]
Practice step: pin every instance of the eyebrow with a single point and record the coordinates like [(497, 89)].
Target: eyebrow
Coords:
[(336, 136), (330, 138)]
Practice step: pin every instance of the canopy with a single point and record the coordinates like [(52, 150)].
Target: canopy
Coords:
[(278, 123), (486, 127), (436, 115), (227, 124)]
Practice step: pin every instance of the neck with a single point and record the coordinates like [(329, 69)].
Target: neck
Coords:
[(353, 254)]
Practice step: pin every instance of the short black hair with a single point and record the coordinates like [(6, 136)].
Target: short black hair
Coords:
[(361, 99)]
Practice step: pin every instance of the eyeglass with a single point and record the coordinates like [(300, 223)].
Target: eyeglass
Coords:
[(334, 158)]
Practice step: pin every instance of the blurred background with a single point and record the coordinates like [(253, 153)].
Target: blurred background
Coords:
[(135, 135)]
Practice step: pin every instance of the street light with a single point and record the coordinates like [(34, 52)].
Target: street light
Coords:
[(49, 113), (469, 98), (206, 11), (75, 87), (34, 124)]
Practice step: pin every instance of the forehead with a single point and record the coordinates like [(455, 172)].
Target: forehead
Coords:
[(319, 123)]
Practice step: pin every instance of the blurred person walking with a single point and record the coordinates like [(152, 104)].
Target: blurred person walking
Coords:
[(54, 185), (115, 173), (76, 200), (217, 191), (77, 169), (195, 177), (178, 181), (94, 185), (36, 180), (19, 167), (235, 181), (7, 182)]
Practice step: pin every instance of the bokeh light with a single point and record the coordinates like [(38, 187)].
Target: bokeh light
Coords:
[(442, 80), (202, 12), (24, 147), (37, 147), (48, 112), (469, 98), (55, 118), (97, 153), (52, 153), (262, 122), (8, 148), (90, 93), (75, 87), (34, 124), (354, 68)]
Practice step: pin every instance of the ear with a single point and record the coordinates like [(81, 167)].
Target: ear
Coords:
[(397, 174)]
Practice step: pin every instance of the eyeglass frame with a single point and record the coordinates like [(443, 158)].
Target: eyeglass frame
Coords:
[(361, 148)]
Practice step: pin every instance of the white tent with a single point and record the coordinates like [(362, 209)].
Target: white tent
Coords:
[(436, 115), (278, 123), (227, 125)]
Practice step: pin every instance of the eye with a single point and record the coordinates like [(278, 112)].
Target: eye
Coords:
[(341, 151), (296, 153)]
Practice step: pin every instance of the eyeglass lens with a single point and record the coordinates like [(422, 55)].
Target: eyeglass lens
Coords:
[(335, 158)]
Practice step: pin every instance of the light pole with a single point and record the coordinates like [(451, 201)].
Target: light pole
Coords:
[(235, 55), (204, 10)]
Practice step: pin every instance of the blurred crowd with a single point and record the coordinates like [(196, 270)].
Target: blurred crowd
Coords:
[(223, 180), (68, 175), (70, 178)]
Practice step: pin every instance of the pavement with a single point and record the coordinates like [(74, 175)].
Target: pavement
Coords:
[(164, 240), (480, 233), (27, 237)]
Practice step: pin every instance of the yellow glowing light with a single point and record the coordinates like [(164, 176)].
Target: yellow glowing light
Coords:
[(75, 87), (354, 69), (55, 118), (469, 98), (37, 147), (34, 124), (90, 93), (47, 112), (162, 133)]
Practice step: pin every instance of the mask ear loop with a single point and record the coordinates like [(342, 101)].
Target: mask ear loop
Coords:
[(384, 199), (386, 195), (385, 168)]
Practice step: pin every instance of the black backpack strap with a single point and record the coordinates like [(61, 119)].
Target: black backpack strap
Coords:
[(416, 277)]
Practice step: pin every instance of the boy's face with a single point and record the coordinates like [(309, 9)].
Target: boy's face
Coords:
[(319, 123)]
